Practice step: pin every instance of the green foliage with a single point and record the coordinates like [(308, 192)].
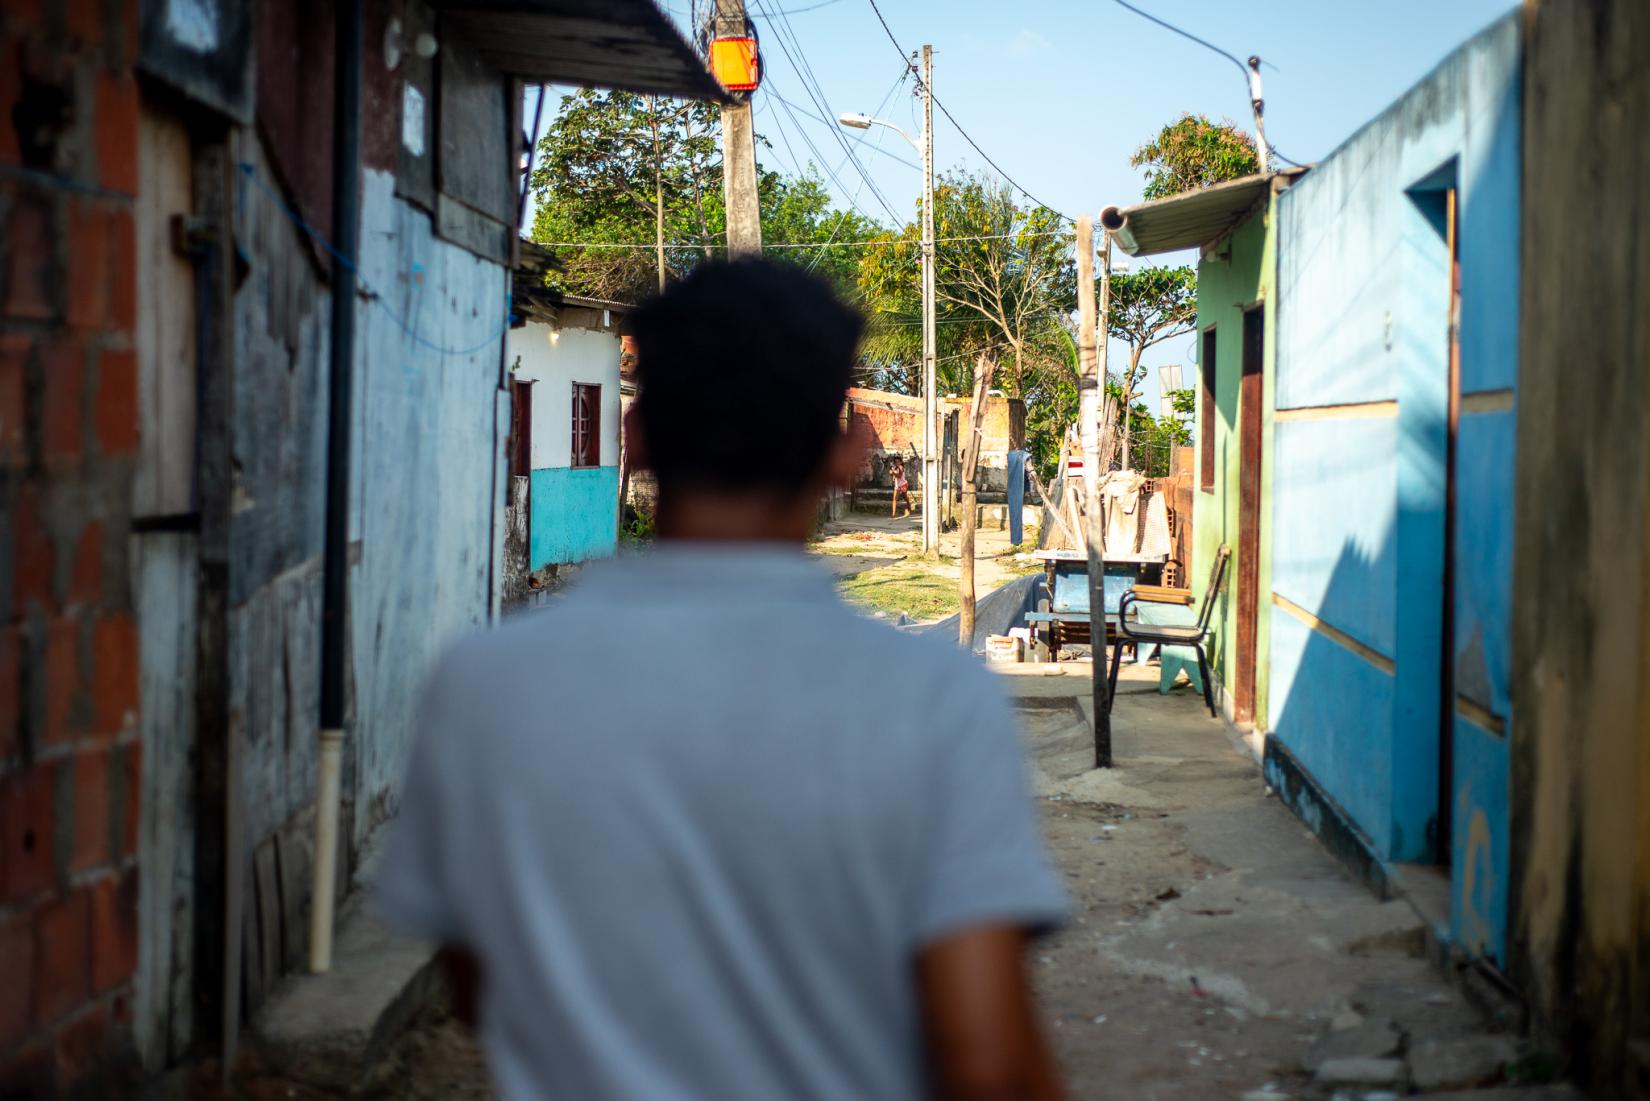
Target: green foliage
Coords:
[(1152, 305), (1005, 292), (607, 160), (1193, 153), (902, 587)]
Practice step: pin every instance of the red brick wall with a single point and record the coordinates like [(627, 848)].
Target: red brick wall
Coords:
[(69, 754)]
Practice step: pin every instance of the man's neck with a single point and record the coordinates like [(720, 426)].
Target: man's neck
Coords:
[(704, 516)]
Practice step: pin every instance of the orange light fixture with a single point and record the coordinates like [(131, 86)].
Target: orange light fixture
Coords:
[(735, 63)]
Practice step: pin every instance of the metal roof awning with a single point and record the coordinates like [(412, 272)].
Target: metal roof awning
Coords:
[(1192, 219), (624, 44)]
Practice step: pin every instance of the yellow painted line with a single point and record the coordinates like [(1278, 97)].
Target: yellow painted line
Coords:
[(1364, 410), (1335, 634), (1480, 716), (1487, 401)]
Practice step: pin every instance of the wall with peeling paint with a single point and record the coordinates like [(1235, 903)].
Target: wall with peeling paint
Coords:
[(1359, 477)]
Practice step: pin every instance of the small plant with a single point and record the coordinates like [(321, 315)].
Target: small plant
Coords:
[(638, 526)]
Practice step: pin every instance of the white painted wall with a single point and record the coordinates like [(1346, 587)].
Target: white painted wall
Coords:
[(575, 355)]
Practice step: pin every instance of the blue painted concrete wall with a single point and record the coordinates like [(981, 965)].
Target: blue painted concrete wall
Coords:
[(1359, 485), (573, 514)]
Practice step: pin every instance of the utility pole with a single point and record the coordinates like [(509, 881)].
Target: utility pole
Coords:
[(983, 370), (738, 150), (1090, 386), (930, 464)]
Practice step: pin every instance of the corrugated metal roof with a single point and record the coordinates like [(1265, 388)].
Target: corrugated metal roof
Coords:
[(626, 44), (1193, 219)]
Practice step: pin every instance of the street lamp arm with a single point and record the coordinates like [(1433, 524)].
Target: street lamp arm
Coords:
[(865, 122)]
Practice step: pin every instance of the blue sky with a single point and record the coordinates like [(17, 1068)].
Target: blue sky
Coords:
[(1060, 92)]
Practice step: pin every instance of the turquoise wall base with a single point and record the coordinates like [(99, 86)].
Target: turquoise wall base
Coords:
[(573, 515)]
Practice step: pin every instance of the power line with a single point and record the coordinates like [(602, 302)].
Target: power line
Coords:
[(867, 242), (805, 73), (843, 220), (1233, 58), (905, 57), (874, 148)]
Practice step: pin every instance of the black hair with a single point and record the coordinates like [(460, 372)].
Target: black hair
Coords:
[(743, 357)]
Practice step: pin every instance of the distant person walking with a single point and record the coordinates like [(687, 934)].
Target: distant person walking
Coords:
[(902, 488), (681, 833)]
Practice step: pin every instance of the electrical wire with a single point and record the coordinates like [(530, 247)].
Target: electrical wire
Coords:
[(843, 219), (1012, 182), (1233, 58), (869, 242), (816, 94), (862, 142)]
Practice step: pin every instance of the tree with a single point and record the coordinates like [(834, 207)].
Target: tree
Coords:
[(608, 159), (1148, 307), (596, 179), (1192, 153), (1003, 281)]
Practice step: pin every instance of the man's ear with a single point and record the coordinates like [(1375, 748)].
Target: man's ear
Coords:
[(845, 460), (635, 440)]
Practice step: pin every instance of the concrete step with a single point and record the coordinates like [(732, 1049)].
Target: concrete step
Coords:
[(329, 1031)]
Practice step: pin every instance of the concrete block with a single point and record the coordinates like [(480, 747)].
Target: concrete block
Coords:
[(329, 1031)]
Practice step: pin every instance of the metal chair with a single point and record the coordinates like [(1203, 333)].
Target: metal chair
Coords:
[(1192, 634)]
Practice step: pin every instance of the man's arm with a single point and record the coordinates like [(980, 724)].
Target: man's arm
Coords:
[(980, 1024)]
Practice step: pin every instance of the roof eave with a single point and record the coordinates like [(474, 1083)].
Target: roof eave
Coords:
[(625, 44), (1192, 219)]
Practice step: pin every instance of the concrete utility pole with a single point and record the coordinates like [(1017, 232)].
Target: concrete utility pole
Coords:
[(739, 151), (1090, 385), (930, 463)]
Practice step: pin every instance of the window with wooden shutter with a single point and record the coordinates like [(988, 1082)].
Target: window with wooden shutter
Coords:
[(587, 421)]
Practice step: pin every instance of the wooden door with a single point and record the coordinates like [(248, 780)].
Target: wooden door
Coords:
[(1446, 710), (1248, 556)]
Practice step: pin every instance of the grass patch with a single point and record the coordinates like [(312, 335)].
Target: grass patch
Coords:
[(902, 588)]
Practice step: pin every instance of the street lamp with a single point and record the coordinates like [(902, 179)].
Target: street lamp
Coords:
[(930, 464)]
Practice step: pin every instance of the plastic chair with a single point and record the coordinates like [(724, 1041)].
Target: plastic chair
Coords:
[(1194, 635)]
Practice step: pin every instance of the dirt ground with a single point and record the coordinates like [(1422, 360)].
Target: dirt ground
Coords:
[(1215, 949), (872, 544)]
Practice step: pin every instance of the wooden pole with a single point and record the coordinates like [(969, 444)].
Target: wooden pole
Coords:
[(970, 499), (739, 152), (1089, 388)]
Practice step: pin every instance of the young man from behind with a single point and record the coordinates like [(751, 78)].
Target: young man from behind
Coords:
[(683, 830)]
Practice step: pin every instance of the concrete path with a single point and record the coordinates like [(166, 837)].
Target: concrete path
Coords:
[(1217, 950)]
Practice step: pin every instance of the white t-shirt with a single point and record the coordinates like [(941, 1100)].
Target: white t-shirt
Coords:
[(696, 818)]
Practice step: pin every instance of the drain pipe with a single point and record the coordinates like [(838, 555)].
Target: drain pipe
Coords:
[(346, 233)]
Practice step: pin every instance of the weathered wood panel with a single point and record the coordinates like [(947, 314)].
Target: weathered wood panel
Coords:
[(1581, 665)]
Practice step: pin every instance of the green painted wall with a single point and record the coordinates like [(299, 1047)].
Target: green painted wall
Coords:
[(1236, 274)]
